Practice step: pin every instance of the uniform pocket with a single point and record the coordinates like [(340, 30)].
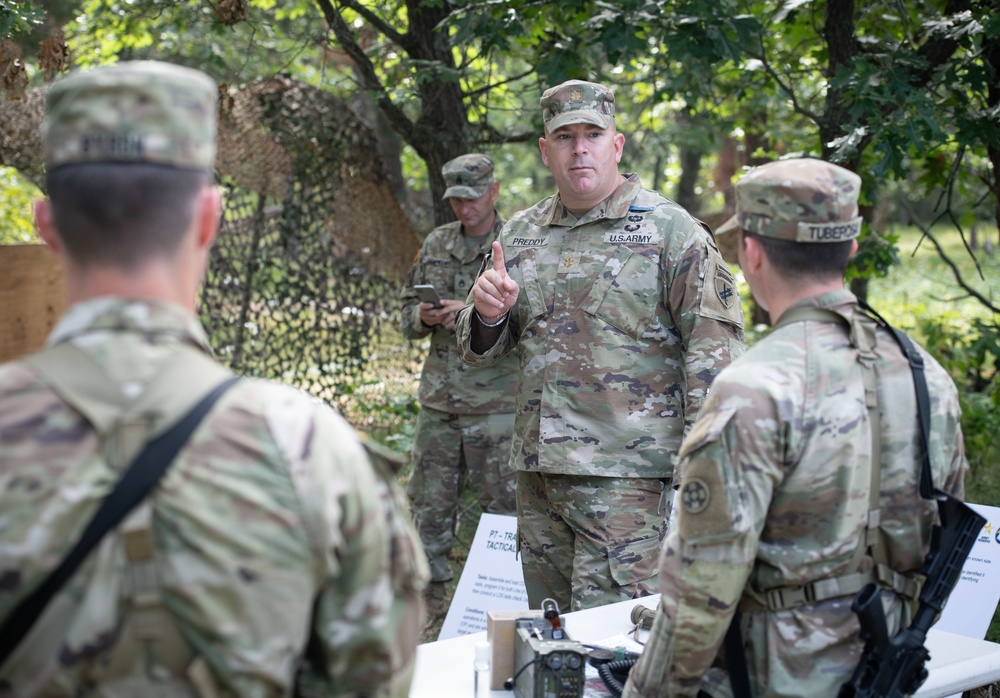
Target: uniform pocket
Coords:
[(626, 293), (524, 270), (635, 561)]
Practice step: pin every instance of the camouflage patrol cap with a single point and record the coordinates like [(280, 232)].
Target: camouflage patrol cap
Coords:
[(467, 176), (577, 102), (804, 199), (141, 111)]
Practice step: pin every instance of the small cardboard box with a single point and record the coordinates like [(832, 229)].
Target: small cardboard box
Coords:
[(500, 633)]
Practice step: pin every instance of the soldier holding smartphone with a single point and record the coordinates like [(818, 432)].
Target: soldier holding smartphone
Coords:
[(466, 414)]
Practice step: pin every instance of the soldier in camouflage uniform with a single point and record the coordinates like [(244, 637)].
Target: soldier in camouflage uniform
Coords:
[(621, 312), (466, 414), (274, 558), (775, 526)]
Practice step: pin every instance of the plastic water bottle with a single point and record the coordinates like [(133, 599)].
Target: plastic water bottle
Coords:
[(482, 667)]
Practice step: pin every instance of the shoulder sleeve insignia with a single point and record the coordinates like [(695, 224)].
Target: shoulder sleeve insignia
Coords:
[(725, 286), (694, 495), (720, 299)]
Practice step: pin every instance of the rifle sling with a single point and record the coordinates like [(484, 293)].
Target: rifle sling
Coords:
[(138, 481)]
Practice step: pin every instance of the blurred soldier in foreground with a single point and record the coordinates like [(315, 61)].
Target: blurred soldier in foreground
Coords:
[(782, 519), (466, 414), (273, 559), (621, 311)]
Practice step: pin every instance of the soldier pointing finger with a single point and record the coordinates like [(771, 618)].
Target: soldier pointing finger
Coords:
[(620, 311)]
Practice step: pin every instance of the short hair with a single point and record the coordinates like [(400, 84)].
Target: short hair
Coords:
[(806, 260), (122, 214)]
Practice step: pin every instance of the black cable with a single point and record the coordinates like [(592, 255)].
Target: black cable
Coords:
[(615, 674), (511, 682)]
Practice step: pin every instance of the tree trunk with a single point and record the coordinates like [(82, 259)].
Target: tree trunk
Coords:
[(838, 30), (441, 130), (991, 56), (690, 167)]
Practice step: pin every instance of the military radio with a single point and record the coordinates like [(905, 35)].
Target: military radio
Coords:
[(548, 664)]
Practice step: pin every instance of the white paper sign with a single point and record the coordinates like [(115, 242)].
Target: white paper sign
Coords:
[(491, 579), (974, 599)]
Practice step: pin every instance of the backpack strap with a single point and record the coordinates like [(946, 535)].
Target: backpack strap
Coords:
[(163, 419), (863, 338)]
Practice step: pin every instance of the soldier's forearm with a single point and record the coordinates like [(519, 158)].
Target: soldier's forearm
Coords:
[(483, 337)]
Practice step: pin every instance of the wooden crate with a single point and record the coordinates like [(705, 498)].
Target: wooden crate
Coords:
[(32, 297)]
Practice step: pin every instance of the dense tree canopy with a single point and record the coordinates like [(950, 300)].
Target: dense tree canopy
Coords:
[(900, 92)]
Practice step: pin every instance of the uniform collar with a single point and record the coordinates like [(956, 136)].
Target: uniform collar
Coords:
[(840, 301), (111, 314), (612, 208), (456, 245)]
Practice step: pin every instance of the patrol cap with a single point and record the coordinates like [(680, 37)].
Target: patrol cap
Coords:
[(467, 176), (803, 199), (577, 102), (137, 111)]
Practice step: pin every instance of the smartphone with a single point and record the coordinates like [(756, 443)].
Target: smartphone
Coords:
[(428, 294)]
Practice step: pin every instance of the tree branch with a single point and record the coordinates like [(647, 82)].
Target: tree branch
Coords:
[(493, 85), (769, 69), (376, 21), (494, 137), (947, 260), (369, 80)]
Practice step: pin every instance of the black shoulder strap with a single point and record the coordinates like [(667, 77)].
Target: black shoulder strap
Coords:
[(137, 482)]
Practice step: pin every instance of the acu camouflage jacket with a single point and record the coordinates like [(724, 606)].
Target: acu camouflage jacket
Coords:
[(622, 321), (272, 531), (447, 383), (774, 481)]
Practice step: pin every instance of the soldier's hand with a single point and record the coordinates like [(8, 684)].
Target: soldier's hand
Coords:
[(444, 316), (495, 292)]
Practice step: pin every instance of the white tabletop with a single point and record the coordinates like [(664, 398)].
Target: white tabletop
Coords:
[(444, 669)]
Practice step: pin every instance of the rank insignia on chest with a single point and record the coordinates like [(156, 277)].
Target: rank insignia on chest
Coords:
[(725, 286), (694, 496)]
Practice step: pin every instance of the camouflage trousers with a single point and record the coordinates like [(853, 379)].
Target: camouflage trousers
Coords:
[(449, 450), (589, 541)]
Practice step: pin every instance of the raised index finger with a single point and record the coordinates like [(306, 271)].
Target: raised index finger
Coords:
[(498, 261)]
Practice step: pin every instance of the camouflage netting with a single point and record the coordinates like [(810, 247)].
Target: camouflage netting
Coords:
[(303, 283)]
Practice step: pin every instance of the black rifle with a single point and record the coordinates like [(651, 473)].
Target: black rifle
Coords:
[(895, 667)]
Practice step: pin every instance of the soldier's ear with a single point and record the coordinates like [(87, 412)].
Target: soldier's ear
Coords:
[(207, 215), (45, 226), (753, 253), (543, 146)]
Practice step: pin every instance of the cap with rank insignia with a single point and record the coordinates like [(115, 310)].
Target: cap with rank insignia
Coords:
[(577, 102), (803, 199), (136, 111)]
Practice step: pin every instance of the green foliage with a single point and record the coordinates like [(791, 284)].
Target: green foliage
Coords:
[(17, 18), (877, 254), (276, 37), (16, 197), (970, 353)]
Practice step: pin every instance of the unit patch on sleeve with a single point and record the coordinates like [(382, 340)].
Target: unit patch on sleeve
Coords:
[(719, 299), (694, 496)]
